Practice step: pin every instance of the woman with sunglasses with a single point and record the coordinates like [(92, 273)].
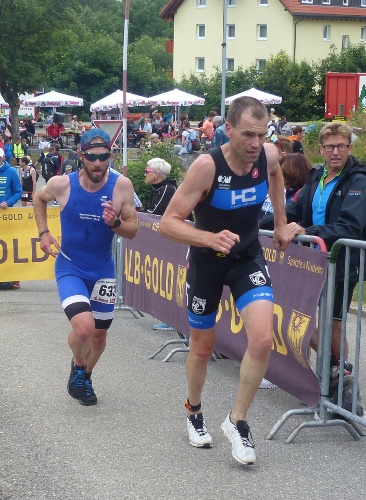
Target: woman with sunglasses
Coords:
[(96, 203)]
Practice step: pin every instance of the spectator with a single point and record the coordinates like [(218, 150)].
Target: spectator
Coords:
[(297, 136), (29, 181), (220, 136), (207, 128), (8, 149), (162, 190), (10, 193), (18, 150), (29, 131), (327, 207)]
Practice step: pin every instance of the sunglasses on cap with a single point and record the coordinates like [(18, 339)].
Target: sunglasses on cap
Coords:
[(95, 157)]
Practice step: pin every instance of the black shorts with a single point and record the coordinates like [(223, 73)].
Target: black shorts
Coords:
[(207, 274), (338, 298), (27, 197)]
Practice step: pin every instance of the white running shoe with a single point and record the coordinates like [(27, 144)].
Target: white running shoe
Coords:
[(197, 432), (266, 384), (241, 440)]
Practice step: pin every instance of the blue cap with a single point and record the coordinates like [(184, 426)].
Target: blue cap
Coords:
[(85, 142)]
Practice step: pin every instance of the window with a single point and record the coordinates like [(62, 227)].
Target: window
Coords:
[(363, 3), (201, 3), (261, 31), (231, 31), (326, 2), (229, 64), (201, 31), (363, 33), (232, 3), (262, 3), (200, 64), (345, 41), (345, 2), (307, 1), (326, 33), (260, 64)]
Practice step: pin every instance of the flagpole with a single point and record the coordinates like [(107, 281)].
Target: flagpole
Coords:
[(124, 88)]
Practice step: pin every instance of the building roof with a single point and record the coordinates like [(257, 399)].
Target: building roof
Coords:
[(297, 8), (294, 7)]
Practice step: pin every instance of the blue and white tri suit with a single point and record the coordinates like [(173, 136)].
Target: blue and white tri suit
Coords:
[(84, 266)]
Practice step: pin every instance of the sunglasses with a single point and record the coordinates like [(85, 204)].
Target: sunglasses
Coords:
[(149, 170), (94, 157)]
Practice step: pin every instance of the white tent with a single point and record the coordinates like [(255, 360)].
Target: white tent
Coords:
[(54, 99), (176, 97), (263, 97), (3, 104), (115, 100)]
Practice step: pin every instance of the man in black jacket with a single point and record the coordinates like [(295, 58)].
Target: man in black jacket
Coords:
[(332, 205)]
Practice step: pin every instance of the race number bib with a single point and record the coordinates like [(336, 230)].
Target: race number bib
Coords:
[(104, 291)]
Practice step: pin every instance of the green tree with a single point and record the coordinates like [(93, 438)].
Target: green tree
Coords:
[(30, 46)]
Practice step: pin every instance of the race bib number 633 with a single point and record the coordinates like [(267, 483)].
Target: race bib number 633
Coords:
[(104, 291)]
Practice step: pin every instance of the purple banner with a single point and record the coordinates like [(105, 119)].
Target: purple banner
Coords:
[(154, 282)]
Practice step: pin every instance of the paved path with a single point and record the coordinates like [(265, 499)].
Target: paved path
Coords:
[(133, 444)]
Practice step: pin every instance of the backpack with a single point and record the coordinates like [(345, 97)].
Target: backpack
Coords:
[(195, 141), (48, 168)]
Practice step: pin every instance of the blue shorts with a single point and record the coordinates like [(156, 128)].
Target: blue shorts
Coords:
[(247, 276), (83, 290)]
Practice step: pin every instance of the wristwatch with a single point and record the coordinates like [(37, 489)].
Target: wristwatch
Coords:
[(116, 224)]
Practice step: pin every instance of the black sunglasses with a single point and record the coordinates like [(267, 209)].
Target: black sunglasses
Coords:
[(94, 157)]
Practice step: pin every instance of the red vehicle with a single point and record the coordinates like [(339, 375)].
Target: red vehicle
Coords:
[(344, 93)]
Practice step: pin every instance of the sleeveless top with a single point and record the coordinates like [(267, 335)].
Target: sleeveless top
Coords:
[(86, 238), (27, 181), (234, 202)]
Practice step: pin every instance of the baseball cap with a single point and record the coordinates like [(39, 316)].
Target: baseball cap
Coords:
[(217, 119), (87, 137), (2, 154)]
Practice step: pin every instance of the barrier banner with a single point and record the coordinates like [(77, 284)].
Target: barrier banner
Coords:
[(154, 282), (21, 257)]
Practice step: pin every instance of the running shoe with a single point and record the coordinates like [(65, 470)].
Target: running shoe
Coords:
[(162, 326), (241, 440), (76, 386), (91, 398), (197, 432)]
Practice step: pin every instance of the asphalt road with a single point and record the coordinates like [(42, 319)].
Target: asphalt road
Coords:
[(133, 444)]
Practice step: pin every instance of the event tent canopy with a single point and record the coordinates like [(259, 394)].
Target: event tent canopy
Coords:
[(263, 97), (176, 97), (115, 100), (54, 99)]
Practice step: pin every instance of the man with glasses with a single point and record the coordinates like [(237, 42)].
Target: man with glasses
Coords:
[(332, 205), (96, 203)]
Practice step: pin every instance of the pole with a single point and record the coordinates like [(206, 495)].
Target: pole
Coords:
[(124, 88), (223, 64)]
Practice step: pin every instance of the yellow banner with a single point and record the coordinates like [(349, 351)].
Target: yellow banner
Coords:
[(21, 257)]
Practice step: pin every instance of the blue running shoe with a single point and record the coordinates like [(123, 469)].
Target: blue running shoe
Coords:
[(76, 385), (91, 398), (162, 326)]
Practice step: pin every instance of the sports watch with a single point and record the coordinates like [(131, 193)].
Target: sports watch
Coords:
[(116, 224)]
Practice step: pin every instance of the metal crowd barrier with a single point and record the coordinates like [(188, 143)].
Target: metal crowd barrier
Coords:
[(118, 257), (330, 414)]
